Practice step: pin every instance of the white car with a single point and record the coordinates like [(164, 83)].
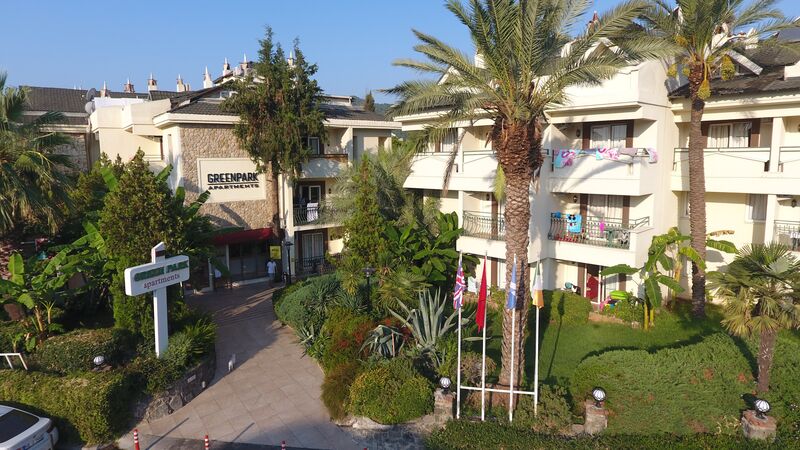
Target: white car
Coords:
[(20, 430)]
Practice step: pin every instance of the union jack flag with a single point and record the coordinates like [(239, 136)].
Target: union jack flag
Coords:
[(458, 292)]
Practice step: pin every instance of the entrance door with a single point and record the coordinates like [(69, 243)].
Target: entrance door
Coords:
[(313, 245), (592, 288)]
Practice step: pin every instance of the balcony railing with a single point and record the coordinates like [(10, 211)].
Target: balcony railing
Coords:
[(752, 157), (789, 156), (600, 232), (314, 266), (484, 225), (304, 215), (788, 233)]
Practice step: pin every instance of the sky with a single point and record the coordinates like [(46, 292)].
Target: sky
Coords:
[(85, 43)]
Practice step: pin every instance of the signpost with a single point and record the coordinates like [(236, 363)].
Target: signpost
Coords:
[(155, 277)]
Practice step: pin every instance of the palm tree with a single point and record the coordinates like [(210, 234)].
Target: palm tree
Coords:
[(704, 34), (761, 291), (525, 61)]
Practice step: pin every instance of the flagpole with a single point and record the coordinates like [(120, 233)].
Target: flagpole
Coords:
[(513, 338), (536, 362), (483, 359), (458, 359)]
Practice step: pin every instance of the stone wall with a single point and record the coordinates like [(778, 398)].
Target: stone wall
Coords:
[(218, 141), (193, 382), (76, 151)]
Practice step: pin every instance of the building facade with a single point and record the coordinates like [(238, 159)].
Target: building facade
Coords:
[(615, 174)]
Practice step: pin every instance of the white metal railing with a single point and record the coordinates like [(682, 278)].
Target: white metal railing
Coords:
[(8, 359), (788, 155), (756, 154)]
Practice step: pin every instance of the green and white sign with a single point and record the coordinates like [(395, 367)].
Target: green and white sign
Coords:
[(151, 276)]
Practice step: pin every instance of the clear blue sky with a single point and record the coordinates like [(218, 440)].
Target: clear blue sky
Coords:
[(83, 43)]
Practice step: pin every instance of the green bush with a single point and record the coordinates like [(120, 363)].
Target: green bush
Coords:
[(462, 434), (156, 375), (630, 310), (305, 306), (75, 351), (691, 389), (567, 308), (391, 392), (554, 416), (202, 337), (91, 407), (8, 334), (346, 331), (336, 388)]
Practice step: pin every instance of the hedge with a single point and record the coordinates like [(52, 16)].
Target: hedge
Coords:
[(91, 407), (75, 351), (462, 434), (391, 392), (692, 389), (566, 307)]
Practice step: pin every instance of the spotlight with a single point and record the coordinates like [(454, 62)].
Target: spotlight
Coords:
[(599, 396), (99, 360), (445, 383), (762, 408)]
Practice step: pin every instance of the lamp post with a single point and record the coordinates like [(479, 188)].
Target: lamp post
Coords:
[(288, 246), (368, 272)]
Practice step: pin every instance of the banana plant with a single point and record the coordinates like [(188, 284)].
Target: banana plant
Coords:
[(663, 267), (37, 286)]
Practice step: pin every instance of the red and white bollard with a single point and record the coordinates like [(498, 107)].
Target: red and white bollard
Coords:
[(283, 445), (136, 439), (205, 441)]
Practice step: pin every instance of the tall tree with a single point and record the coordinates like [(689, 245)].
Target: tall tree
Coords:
[(761, 291), (279, 107), (704, 34), (369, 102), (526, 61)]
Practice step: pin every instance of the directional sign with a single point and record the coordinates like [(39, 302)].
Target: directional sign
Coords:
[(156, 275)]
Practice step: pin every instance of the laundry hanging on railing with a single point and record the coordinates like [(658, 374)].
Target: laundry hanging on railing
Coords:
[(565, 157), (574, 223)]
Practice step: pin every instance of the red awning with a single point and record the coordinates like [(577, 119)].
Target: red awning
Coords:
[(237, 237)]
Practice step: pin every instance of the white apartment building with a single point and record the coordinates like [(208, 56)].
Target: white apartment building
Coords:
[(189, 130), (615, 172)]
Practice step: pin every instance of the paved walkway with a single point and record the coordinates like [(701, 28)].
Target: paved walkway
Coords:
[(271, 396)]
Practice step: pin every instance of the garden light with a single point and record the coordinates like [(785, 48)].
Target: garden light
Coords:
[(99, 360), (445, 383), (599, 395), (762, 407)]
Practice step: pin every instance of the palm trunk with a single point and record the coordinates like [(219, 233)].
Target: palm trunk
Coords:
[(697, 190), (8, 246), (277, 231), (518, 149), (766, 352)]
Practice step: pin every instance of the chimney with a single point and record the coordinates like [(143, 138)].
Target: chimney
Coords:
[(290, 60), (128, 88), (180, 86), (594, 22), (226, 68), (104, 90), (243, 64), (152, 85), (207, 83), (188, 87)]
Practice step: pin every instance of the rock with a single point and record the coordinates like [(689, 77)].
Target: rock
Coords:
[(757, 428), (596, 418), (347, 421), (575, 429), (365, 423)]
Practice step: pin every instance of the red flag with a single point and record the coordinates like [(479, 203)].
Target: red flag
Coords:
[(480, 317)]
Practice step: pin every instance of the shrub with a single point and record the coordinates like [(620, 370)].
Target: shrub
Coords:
[(462, 434), (554, 411), (91, 407), (336, 388), (202, 336), (695, 388), (305, 306), (391, 392), (8, 334), (471, 367), (156, 375), (567, 307), (75, 351), (629, 310), (346, 331)]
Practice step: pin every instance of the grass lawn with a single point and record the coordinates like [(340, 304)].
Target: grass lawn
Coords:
[(564, 346)]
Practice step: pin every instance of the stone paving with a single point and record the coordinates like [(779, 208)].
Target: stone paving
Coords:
[(272, 395)]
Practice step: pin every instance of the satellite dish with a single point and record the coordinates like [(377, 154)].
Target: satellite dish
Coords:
[(89, 107), (90, 94)]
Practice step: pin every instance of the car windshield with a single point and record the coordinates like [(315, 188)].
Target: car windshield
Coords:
[(15, 422)]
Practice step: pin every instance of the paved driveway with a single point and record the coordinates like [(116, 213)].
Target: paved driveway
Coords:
[(271, 396)]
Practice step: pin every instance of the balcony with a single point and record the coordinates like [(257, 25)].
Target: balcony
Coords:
[(739, 170), (327, 165), (473, 170), (611, 233), (592, 171), (484, 225), (314, 266), (788, 233), (312, 215)]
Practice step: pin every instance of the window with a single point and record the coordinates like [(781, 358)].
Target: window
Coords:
[(313, 246), (313, 145), (729, 135), (605, 206), (450, 141), (311, 194), (685, 207), (608, 136), (757, 207)]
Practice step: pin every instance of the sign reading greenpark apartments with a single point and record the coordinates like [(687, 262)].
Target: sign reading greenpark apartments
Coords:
[(230, 180), (156, 275)]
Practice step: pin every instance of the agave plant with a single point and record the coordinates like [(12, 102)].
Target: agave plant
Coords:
[(428, 323), (384, 341)]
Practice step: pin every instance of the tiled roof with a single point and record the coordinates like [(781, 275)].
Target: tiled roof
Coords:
[(56, 99), (350, 113), (202, 107)]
